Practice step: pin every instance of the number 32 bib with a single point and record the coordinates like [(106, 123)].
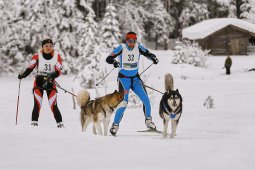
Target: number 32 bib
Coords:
[(130, 59)]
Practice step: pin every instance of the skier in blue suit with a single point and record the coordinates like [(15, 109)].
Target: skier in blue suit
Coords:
[(128, 78)]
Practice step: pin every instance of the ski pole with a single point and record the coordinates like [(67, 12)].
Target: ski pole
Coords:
[(66, 91), (146, 69), (105, 76), (17, 111)]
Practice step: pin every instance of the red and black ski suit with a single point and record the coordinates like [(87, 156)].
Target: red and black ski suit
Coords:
[(42, 82)]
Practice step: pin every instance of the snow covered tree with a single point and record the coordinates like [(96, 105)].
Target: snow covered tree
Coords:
[(190, 53), (162, 23), (232, 10), (110, 29), (132, 19), (70, 31), (88, 63), (193, 13), (33, 24), (11, 46), (176, 7), (248, 10), (91, 72), (221, 8)]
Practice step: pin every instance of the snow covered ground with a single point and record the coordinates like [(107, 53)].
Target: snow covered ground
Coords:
[(207, 139)]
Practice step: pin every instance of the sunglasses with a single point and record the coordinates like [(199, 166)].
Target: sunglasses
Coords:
[(131, 40)]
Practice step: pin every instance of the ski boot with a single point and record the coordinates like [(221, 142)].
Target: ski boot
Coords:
[(34, 123), (150, 125), (60, 125), (114, 129)]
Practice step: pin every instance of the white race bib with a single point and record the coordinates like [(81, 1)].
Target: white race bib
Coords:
[(130, 59), (47, 66)]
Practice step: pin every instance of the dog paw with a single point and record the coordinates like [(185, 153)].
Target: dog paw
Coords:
[(172, 136), (164, 136)]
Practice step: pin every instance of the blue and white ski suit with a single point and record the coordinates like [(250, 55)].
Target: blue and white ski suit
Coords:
[(128, 77)]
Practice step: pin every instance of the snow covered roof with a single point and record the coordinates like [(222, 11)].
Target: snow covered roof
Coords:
[(207, 27)]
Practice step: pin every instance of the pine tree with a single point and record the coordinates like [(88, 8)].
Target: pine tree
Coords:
[(248, 10), (132, 19), (176, 7), (193, 13), (88, 63), (11, 45), (232, 10), (33, 25), (110, 29), (220, 8), (163, 23)]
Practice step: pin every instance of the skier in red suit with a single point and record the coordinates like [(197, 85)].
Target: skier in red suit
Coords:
[(49, 64)]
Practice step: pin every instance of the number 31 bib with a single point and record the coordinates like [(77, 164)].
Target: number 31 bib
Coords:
[(47, 66)]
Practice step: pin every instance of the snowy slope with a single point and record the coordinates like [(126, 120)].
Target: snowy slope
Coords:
[(220, 138)]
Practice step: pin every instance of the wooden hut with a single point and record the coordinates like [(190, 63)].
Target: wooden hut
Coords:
[(222, 36)]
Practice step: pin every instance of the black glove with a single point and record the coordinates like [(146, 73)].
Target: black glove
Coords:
[(47, 82), (47, 85), (21, 76), (47, 79), (154, 59), (116, 64)]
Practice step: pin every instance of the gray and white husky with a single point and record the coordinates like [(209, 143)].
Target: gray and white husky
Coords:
[(170, 107)]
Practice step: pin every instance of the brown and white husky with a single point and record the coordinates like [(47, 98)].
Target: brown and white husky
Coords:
[(99, 110), (170, 107)]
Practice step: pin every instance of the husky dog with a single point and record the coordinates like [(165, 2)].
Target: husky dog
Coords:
[(98, 110), (170, 107)]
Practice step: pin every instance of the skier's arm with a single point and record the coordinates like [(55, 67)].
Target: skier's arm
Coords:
[(33, 63), (145, 52), (116, 52)]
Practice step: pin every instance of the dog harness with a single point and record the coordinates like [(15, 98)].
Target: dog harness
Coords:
[(130, 77)]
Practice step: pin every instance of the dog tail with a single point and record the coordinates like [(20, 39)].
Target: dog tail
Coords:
[(83, 97), (169, 82)]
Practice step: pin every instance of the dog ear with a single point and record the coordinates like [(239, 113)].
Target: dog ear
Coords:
[(177, 90)]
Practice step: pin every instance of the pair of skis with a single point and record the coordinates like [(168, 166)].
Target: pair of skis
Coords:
[(151, 131)]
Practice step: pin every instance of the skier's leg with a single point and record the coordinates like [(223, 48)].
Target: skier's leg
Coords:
[(140, 91), (38, 96), (52, 98), (124, 84)]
